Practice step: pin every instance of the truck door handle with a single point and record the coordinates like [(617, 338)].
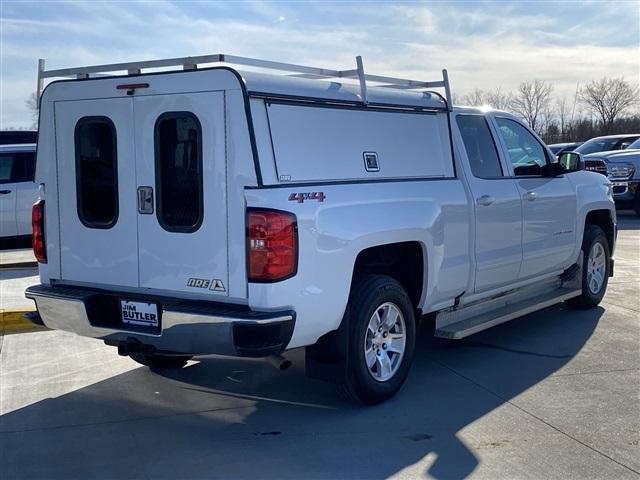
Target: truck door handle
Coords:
[(485, 200), (145, 200), (531, 196), (5, 192)]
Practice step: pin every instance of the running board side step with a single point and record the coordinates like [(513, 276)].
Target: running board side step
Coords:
[(461, 323)]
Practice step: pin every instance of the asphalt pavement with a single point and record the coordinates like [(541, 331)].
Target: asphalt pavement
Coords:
[(555, 394)]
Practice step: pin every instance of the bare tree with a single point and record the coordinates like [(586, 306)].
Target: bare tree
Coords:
[(531, 101), (563, 114), (499, 99), (476, 98), (609, 98), (32, 104)]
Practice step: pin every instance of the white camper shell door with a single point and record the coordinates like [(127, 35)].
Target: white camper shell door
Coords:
[(180, 152), (96, 190), (142, 191)]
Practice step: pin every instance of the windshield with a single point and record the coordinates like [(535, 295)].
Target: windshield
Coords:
[(634, 145), (605, 144)]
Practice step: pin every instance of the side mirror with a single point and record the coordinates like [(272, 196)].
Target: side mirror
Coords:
[(570, 162)]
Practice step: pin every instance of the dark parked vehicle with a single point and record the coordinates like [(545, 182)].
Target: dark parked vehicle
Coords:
[(558, 148), (607, 143), (623, 169), (15, 137)]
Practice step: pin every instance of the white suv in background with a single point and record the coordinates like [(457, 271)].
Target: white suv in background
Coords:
[(18, 191)]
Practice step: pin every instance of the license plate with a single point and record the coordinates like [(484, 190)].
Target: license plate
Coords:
[(139, 313)]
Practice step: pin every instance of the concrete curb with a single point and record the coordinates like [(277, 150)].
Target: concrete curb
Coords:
[(13, 321)]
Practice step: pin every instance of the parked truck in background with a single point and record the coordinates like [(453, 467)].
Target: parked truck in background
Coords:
[(18, 192), (218, 211), (623, 169)]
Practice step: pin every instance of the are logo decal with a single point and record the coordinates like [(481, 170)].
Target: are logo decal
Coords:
[(216, 284), (301, 197), (198, 283)]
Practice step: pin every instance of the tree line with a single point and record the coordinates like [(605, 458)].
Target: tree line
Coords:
[(601, 107)]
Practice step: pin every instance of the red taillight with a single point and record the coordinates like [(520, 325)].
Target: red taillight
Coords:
[(272, 245), (37, 231)]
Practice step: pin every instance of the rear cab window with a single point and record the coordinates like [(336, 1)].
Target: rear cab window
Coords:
[(178, 152), (96, 172)]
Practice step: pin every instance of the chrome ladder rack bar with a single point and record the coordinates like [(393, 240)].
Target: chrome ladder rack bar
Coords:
[(190, 63)]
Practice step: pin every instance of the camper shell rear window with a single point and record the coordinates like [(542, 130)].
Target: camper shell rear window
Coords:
[(178, 155), (96, 172)]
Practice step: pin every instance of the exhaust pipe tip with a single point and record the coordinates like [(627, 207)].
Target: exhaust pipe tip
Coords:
[(279, 362)]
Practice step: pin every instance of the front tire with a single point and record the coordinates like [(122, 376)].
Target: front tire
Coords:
[(595, 268), (381, 339), (156, 361)]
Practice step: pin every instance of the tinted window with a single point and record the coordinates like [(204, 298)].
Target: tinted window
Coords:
[(556, 148), (178, 140), (96, 172), (634, 145), (17, 167), (527, 155), (604, 144), (478, 142), (25, 167), (6, 168)]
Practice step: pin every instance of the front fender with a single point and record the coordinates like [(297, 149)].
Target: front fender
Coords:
[(593, 192)]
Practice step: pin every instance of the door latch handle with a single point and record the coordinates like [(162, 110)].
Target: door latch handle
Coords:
[(145, 200), (5, 192), (531, 196), (485, 200)]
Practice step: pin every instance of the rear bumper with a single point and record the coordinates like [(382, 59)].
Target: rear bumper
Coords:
[(188, 327)]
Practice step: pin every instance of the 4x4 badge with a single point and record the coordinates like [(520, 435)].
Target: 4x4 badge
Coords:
[(217, 285)]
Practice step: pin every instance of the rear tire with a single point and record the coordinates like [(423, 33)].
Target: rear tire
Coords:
[(381, 339), (160, 361), (595, 268)]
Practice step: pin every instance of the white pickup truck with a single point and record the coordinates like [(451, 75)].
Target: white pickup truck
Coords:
[(207, 211)]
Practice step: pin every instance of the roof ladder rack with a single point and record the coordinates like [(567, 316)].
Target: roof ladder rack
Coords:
[(190, 63)]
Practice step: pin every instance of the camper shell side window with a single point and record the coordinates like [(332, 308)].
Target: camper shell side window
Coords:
[(96, 172), (178, 158)]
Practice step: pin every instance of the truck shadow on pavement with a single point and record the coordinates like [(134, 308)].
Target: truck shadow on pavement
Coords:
[(229, 418)]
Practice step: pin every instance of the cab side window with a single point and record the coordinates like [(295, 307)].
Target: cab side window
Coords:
[(6, 168), (17, 167), (527, 155), (25, 168), (479, 145)]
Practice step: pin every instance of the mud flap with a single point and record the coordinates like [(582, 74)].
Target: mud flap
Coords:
[(572, 277), (328, 358)]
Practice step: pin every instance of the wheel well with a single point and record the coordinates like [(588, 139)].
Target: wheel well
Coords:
[(602, 218), (402, 261)]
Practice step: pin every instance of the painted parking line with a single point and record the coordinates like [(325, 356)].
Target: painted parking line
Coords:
[(14, 321)]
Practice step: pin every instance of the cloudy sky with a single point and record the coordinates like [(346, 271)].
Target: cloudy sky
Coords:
[(482, 44)]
